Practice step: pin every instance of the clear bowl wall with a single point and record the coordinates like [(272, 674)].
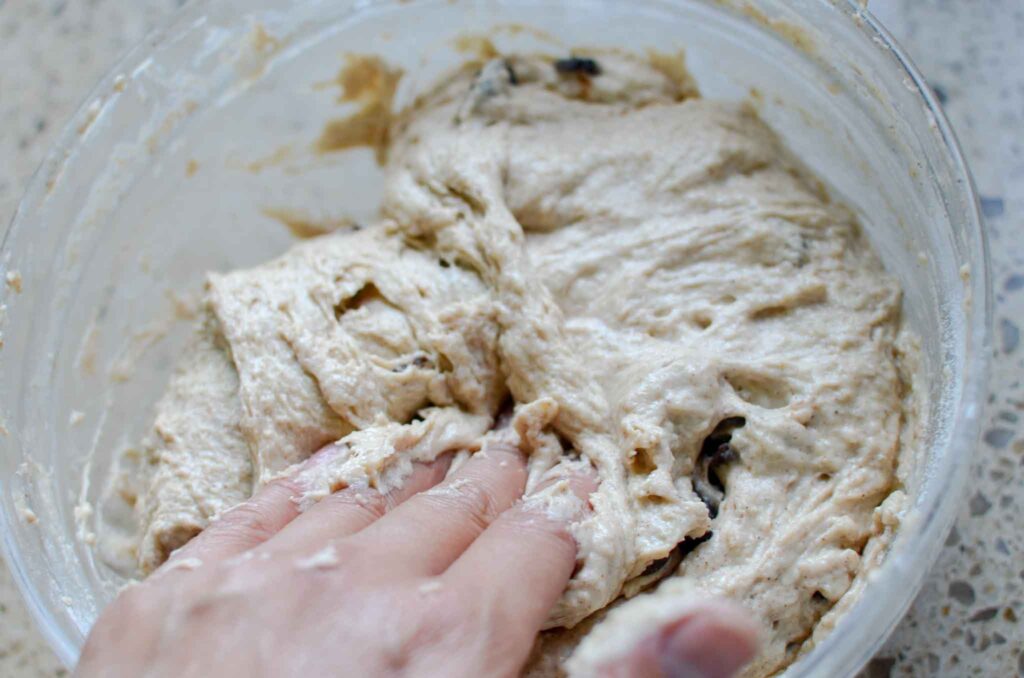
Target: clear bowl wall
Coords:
[(168, 169)]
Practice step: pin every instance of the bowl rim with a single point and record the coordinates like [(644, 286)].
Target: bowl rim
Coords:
[(941, 502)]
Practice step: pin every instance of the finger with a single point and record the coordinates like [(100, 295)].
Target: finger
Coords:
[(346, 512), (241, 527), (250, 523), (423, 536), (527, 549), (715, 640)]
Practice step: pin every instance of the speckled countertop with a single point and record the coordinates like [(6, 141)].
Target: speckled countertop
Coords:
[(965, 621)]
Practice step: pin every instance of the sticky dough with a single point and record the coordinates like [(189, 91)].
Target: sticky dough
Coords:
[(655, 283)]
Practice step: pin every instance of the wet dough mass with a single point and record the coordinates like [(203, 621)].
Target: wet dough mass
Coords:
[(649, 277)]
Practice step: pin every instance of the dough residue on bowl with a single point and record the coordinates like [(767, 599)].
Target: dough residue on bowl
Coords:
[(653, 282)]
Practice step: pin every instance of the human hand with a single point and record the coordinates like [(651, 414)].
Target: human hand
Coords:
[(449, 579)]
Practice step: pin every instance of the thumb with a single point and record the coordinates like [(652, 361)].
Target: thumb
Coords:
[(713, 640)]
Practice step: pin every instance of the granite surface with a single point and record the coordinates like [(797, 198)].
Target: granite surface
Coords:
[(965, 621)]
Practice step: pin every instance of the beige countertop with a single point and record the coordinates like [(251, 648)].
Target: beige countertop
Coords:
[(965, 621)]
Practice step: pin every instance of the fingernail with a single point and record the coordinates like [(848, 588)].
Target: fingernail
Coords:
[(441, 464), (696, 650), (309, 478), (497, 446), (580, 481), (324, 455)]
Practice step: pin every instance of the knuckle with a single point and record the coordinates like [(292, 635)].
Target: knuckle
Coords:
[(552, 534), (471, 501), (368, 505), (472, 615), (228, 584), (285, 484), (431, 626), (447, 618), (248, 521)]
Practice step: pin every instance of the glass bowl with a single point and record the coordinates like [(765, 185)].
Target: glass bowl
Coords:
[(188, 156)]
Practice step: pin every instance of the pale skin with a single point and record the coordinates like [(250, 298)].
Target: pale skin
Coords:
[(443, 577)]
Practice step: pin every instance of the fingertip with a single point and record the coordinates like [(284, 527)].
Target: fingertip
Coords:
[(504, 448), (583, 482), (505, 460), (325, 455), (715, 638), (576, 479), (715, 641), (438, 468)]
